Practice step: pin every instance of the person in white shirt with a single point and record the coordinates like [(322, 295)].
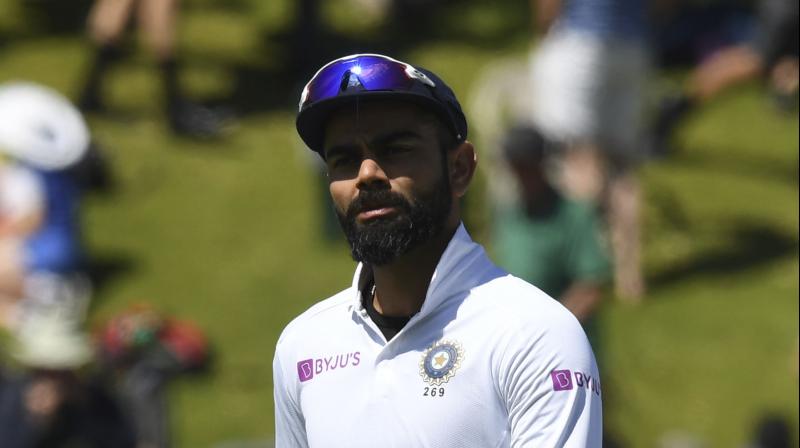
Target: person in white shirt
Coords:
[(432, 345)]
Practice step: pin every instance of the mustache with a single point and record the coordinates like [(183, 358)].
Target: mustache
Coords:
[(369, 200)]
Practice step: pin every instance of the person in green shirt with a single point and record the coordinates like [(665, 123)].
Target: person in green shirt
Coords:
[(546, 239)]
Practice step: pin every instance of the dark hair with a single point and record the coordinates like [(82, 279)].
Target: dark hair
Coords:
[(524, 142)]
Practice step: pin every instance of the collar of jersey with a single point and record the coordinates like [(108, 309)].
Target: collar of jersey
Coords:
[(458, 271)]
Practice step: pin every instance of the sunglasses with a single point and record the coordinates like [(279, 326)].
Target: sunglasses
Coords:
[(370, 72)]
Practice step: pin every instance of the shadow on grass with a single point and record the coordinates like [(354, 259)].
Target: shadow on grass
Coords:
[(5, 39), (746, 164), (272, 78), (56, 16), (752, 245), (104, 270), (298, 50)]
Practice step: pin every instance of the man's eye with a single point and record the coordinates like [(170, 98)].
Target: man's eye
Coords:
[(398, 150), (341, 161)]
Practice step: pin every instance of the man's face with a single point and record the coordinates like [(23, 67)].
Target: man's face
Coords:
[(530, 177), (388, 178)]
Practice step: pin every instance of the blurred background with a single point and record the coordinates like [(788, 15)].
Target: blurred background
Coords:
[(204, 226)]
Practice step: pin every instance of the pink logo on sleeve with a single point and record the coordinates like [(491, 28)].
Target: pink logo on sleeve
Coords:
[(562, 379), (305, 370)]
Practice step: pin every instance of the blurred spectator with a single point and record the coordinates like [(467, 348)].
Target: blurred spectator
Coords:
[(772, 54), (40, 249), (56, 401), (108, 21), (146, 350), (588, 80), (548, 240), (500, 98), (685, 32), (20, 214), (772, 431)]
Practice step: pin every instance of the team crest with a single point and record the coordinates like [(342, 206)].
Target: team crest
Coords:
[(440, 362)]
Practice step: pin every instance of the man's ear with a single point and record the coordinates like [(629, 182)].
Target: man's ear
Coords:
[(463, 161)]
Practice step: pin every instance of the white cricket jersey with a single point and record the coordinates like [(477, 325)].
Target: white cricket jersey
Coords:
[(489, 361)]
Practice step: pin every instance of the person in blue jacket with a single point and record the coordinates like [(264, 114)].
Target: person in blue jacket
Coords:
[(42, 136)]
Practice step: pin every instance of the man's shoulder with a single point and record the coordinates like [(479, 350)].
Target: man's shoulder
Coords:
[(319, 315), (511, 291), (523, 315), (515, 300)]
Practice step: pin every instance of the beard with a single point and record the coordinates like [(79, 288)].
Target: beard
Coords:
[(380, 241)]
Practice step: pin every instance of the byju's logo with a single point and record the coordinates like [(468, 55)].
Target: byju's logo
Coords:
[(586, 381), (562, 379), (305, 369), (308, 368)]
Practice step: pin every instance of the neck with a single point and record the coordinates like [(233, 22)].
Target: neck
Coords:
[(401, 286), (544, 204)]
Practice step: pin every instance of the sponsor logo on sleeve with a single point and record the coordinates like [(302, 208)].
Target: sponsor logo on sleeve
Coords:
[(307, 369), (562, 379), (588, 382), (568, 380)]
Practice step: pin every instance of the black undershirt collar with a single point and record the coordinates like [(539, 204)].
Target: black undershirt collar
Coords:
[(389, 325)]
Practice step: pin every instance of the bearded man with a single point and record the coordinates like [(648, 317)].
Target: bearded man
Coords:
[(432, 345)]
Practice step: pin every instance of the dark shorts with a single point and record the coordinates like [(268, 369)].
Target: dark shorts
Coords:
[(777, 34)]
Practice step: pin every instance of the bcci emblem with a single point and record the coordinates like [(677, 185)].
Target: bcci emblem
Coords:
[(440, 362)]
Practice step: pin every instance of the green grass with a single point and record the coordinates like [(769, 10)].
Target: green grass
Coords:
[(228, 233), (713, 348)]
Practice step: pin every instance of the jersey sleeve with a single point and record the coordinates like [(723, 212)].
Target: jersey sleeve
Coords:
[(290, 430), (551, 386)]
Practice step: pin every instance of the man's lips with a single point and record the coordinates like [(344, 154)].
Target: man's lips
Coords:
[(377, 212)]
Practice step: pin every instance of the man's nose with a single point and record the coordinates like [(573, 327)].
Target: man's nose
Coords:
[(371, 174)]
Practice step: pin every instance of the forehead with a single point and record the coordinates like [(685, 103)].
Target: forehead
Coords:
[(367, 119)]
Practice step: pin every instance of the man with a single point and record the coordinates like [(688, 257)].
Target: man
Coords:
[(57, 399), (771, 52), (547, 239), (107, 25), (432, 345), (588, 76)]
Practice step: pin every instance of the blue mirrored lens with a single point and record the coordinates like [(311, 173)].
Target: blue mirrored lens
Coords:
[(373, 72)]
